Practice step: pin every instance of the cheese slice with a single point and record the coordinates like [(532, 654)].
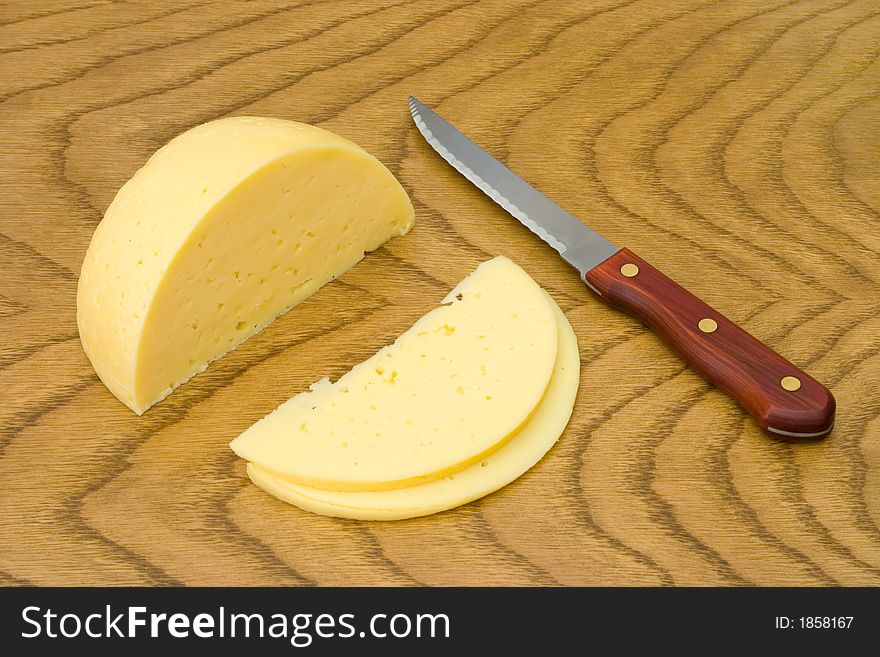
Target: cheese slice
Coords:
[(447, 393), (229, 225), (523, 451)]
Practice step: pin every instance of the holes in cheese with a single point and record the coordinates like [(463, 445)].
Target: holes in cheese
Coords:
[(226, 227), (523, 451), (447, 393)]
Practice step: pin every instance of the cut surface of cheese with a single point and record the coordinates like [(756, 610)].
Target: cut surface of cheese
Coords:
[(448, 392), (523, 451), (226, 227)]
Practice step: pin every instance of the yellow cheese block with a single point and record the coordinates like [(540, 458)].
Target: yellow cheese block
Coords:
[(226, 227), (525, 449), (447, 393)]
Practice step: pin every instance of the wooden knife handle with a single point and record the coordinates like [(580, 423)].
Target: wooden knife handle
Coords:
[(783, 400)]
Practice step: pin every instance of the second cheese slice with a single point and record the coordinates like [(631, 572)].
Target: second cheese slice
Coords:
[(523, 451), (451, 390)]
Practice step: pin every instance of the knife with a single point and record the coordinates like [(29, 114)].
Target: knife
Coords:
[(784, 400)]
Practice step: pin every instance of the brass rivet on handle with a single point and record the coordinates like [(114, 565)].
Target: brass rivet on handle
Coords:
[(790, 383), (708, 325), (629, 270)]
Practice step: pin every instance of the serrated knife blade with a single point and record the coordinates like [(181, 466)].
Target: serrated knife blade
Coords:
[(784, 400), (579, 245)]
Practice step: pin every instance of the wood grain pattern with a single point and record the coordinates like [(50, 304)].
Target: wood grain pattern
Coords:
[(724, 353), (731, 142)]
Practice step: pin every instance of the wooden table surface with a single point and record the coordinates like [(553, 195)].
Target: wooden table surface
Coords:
[(732, 142)]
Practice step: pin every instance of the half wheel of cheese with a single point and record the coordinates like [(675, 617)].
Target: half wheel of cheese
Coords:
[(227, 226)]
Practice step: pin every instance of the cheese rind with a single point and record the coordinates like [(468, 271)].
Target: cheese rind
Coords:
[(449, 391), (227, 226), (523, 451)]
